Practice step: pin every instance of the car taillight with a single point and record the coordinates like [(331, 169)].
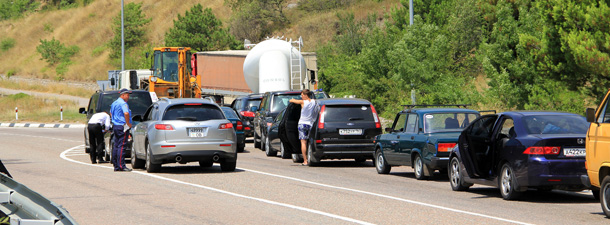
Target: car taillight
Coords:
[(375, 117), (225, 126), (321, 120), (445, 147), (247, 113), (163, 127), (318, 141), (542, 150), (247, 128), (239, 126)]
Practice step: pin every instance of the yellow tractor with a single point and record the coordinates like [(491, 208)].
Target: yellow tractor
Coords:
[(171, 74)]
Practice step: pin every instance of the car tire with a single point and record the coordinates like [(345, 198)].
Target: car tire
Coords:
[(381, 164), (150, 166), (311, 159), (228, 166), (604, 196), (456, 178), (508, 183), (283, 153), (595, 192), (268, 150), (240, 148), (206, 163), (257, 144), (419, 167), (297, 158), (135, 162)]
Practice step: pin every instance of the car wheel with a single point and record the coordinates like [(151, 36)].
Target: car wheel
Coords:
[(257, 141), (508, 183), (456, 179), (150, 166), (228, 166), (311, 159), (283, 152), (605, 196), (135, 162), (595, 192), (381, 165), (107, 151), (268, 151), (206, 163), (240, 148), (297, 158), (419, 168)]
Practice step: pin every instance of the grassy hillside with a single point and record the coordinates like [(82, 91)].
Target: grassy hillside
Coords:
[(89, 28)]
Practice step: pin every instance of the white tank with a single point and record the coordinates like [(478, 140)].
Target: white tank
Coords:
[(267, 66)]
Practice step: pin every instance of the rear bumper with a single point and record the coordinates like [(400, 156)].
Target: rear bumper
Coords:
[(557, 173), (438, 163), (191, 152), (341, 151)]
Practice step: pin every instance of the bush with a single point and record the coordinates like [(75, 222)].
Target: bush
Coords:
[(323, 5), (7, 44), (54, 51), (16, 8), (10, 73)]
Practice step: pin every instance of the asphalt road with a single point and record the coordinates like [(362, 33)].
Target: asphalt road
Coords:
[(265, 190)]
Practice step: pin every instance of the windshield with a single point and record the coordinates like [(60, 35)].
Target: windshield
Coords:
[(193, 113), (556, 124), (138, 102), (281, 101), (166, 66), (447, 122), (230, 113)]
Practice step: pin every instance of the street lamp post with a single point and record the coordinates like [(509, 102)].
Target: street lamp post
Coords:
[(122, 40)]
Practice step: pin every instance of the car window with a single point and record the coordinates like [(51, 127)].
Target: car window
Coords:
[(107, 100), (341, 113), (281, 101), (447, 122), (508, 128), (147, 115), (199, 112), (92, 103), (411, 123), (399, 124), (482, 128), (155, 112), (556, 124), (279, 116), (252, 102), (229, 113), (604, 117), (138, 102)]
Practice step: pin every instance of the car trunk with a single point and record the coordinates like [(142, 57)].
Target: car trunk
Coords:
[(571, 146), (348, 124), (200, 131)]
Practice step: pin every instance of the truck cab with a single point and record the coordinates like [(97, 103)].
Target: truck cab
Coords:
[(598, 153)]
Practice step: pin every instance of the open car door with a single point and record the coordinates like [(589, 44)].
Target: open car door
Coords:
[(288, 129), (476, 146)]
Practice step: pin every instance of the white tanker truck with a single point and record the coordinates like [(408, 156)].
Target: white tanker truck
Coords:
[(275, 65)]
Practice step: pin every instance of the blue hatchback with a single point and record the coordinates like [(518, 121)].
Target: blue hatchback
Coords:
[(519, 150)]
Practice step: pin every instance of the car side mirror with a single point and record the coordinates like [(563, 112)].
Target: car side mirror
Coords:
[(137, 118), (82, 111), (254, 108), (388, 130), (590, 114)]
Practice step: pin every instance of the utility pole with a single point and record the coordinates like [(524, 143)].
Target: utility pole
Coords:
[(410, 12), (123, 39)]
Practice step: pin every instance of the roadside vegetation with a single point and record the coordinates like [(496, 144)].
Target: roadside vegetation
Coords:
[(33, 109), (58, 88)]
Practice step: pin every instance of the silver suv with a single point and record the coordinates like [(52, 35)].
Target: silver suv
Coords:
[(181, 131)]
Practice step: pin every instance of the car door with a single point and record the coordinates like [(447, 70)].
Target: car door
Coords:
[(288, 129), (502, 134), (408, 139), (598, 139), (390, 144), (475, 145)]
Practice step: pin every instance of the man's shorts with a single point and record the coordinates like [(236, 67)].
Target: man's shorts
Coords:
[(304, 131)]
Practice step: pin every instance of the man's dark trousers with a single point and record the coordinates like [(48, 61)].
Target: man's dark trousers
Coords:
[(118, 148), (96, 141)]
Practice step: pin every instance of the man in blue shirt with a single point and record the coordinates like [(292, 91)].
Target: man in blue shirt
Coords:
[(121, 123)]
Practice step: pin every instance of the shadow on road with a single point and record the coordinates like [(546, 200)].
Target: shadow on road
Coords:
[(535, 196), (343, 164), (190, 169)]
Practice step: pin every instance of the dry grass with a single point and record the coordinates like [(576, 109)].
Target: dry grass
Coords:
[(32, 109), (47, 88)]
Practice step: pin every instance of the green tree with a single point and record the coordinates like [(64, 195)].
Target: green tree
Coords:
[(256, 19), (200, 30), (16, 8), (134, 29)]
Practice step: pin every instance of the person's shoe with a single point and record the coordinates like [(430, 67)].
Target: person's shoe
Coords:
[(93, 162), (125, 170)]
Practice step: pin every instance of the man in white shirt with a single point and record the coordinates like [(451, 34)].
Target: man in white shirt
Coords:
[(97, 125)]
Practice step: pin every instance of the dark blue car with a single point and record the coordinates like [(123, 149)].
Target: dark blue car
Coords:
[(515, 151), (238, 126)]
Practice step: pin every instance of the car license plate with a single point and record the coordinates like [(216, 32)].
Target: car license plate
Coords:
[(196, 132), (571, 152), (350, 131)]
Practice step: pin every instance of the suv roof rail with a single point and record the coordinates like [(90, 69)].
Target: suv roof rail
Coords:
[(455, 105), (493, 111), (165, 99)]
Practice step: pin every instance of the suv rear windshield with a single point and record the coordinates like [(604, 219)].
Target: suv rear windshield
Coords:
[(341, 113), (281, 101), (556, 124), (447, 122), (200, 112), (138, 102), (252, 102)]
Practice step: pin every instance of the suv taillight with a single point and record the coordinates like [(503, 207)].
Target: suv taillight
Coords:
[(542, 150), (225, 126), (239, 126), (321, 120), (247, 113), (163, 127), (375, 117)]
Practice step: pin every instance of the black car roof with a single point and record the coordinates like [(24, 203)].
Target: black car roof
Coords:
[(343, 101), (117, 91)]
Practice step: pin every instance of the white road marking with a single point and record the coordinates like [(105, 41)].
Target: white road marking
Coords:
[(64, 154)]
